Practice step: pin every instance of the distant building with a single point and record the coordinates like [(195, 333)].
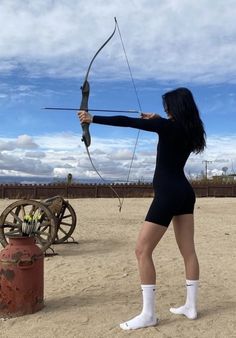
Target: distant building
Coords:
[(224, 178)]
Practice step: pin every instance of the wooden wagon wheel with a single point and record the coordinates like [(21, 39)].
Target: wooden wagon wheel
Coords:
[(66, 219), (12, 218)]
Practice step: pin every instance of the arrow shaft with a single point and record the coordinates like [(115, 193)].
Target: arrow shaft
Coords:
[(99, 110)]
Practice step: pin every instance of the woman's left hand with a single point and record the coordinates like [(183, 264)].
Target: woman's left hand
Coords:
[(84, 116)]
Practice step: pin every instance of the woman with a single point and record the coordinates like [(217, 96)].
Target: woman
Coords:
[(179, 135)]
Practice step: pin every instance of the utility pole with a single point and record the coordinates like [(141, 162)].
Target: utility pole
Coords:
[(206, 165)]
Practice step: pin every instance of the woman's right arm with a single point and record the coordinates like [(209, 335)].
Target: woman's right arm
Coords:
[(154, 125)]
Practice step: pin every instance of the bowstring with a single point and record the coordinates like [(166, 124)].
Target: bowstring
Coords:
[(138, 101), (103, 179), (140, 110)]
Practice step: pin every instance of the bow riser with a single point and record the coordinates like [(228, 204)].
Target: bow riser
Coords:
[(86, 138)]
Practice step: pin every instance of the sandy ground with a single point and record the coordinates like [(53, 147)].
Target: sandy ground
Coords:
[(92, 286)]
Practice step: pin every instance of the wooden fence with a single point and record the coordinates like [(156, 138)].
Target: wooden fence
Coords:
[(42, 191)]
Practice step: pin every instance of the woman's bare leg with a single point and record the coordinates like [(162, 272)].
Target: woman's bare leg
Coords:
[(184, 234), (149, 236)]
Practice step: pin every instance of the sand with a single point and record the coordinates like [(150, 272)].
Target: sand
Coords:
[(92, 286)]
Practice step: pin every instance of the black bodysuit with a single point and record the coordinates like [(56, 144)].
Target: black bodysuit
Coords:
[(173, 193)]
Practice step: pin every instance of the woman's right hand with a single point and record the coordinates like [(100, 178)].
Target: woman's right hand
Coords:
[(149, 116)]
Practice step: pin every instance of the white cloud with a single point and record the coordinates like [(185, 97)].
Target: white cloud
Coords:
[(15, 163), (22, 142), (121, 154), (165, 39), (65, 141), (220, 152), (169, 40), (35, 154), (111, 158), (68, 158)]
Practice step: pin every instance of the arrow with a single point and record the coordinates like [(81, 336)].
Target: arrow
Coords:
[(101, 110)]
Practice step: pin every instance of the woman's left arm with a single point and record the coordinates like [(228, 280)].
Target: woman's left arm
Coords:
[(148, 122)]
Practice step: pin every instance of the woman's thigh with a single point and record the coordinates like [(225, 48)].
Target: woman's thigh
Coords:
[(184, 233), (149, 236)]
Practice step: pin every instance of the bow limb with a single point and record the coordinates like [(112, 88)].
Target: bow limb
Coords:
[(86, 138)]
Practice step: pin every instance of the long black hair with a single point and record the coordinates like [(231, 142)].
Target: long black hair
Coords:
[(180, 105)]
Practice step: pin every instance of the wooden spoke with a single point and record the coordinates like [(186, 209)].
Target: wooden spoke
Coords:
[(65, 229), (13, 216)]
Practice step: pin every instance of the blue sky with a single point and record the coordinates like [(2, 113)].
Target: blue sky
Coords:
[(45, 49)]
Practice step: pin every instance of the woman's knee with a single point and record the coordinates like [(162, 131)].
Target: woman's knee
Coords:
[(149, 236), (142, 251), (187, 249)]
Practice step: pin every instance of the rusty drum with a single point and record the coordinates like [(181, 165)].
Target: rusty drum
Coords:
[(21, 277)]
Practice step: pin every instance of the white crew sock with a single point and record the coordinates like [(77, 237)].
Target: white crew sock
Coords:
[(148, 315), (189, 309)]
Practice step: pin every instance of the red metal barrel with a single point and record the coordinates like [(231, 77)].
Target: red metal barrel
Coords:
[(21, 277)]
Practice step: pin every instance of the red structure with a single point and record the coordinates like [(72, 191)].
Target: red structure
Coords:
[(21, 278)]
